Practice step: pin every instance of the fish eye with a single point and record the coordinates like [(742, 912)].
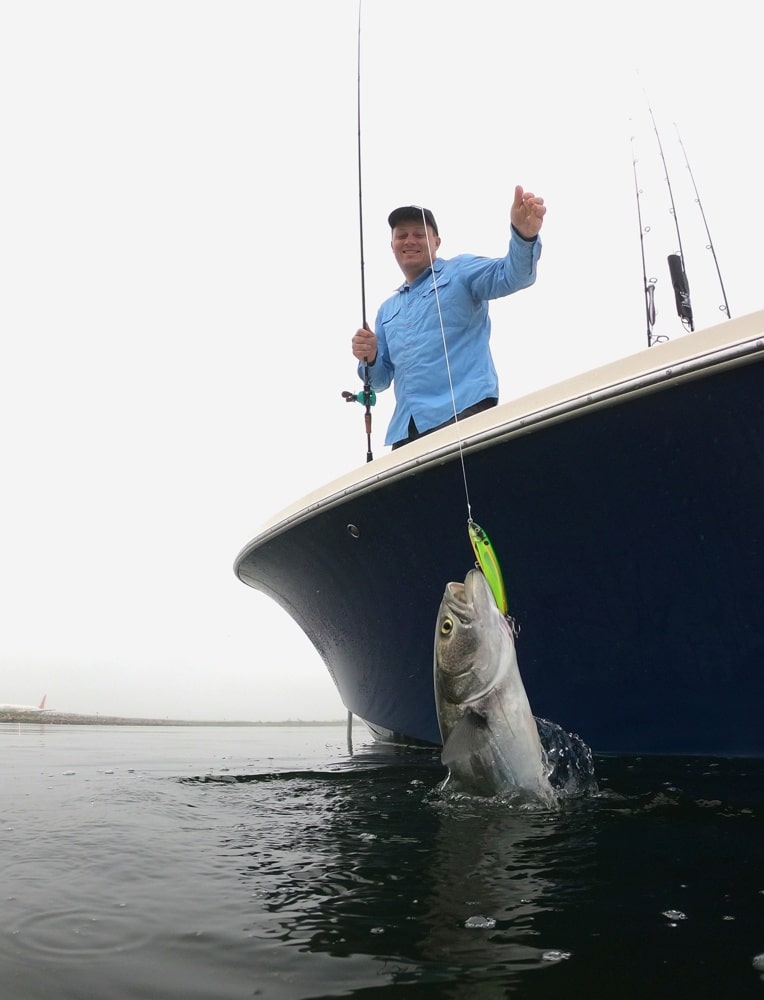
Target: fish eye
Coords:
[(447, 626)]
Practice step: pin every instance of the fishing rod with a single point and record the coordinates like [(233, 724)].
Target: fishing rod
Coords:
[(649, 284), (360, 171), (710, 245), (676, 260), (367, 396)]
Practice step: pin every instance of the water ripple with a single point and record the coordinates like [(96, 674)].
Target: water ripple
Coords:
[(78, 933)]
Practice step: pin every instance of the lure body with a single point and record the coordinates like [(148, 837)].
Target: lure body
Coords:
[(486, 557)]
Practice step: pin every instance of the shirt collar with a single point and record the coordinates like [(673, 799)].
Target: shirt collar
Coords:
[(437, 267)]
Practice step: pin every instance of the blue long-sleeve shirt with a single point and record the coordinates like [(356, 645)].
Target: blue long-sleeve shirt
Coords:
[(410, 352)]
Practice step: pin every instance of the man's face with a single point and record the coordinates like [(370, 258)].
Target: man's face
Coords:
[(410, 248)]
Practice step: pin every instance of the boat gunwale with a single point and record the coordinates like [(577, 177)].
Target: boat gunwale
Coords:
[(583, 393)]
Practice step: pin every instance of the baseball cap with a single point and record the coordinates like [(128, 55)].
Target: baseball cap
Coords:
[(412, 213)]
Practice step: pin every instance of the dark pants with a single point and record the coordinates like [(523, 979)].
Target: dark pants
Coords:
[(484, 404)]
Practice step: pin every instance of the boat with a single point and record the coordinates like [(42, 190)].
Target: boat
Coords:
[(625, 507)]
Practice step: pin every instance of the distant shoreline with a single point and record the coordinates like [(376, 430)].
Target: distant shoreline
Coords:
[(69, 719)]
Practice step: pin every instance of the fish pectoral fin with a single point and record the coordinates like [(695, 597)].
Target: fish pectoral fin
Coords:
[(476, 763), (465, 740)]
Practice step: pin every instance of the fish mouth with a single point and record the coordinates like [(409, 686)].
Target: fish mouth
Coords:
[(477, 591), (459, 603), (469, 599)]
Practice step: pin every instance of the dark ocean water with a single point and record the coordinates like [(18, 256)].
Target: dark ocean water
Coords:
[(199, 863)]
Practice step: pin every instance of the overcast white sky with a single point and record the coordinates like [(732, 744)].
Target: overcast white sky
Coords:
[(179, 246)]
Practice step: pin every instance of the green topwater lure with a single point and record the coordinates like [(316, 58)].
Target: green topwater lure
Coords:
[(489, 564)]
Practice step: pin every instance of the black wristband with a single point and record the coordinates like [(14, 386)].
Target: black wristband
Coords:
[(525, 239)]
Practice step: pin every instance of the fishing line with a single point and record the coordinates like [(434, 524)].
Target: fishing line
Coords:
[(448, 370), (710, 245), (481, 544)]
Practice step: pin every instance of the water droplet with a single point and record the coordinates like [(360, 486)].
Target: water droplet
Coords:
[(480, 922), (555, 956)]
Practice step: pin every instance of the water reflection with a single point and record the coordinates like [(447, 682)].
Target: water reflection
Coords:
[(471, 898), (333, 876), (374, 863)]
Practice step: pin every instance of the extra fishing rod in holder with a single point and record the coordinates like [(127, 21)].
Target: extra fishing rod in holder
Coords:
[(676, 260), (676, 265), (710, 245), (649, 283)]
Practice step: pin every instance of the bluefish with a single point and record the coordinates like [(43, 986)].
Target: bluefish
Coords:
[(492, 743)]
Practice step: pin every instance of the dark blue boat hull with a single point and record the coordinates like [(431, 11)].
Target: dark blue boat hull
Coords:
[(632, 545)]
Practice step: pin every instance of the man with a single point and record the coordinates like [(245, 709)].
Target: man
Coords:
[(432, 336)]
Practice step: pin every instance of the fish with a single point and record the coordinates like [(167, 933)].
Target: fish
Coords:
[(493, 745)]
